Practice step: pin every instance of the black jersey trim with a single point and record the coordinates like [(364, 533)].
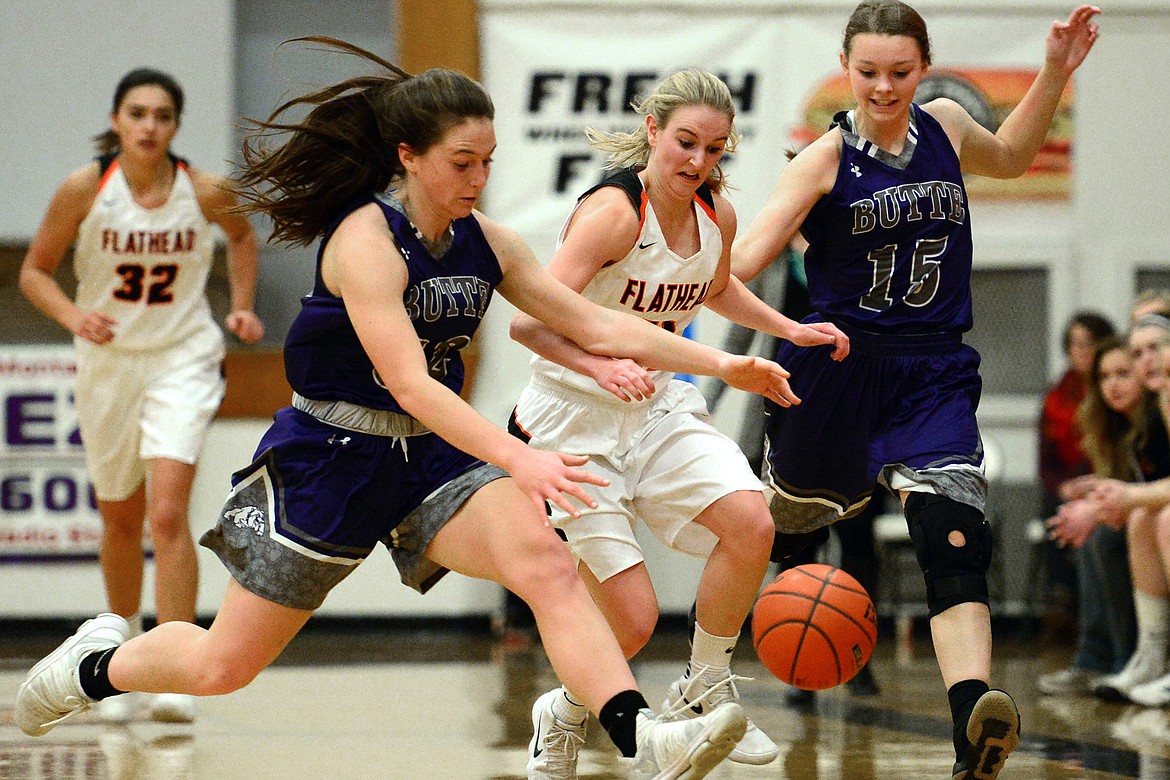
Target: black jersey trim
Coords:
[(628, 182)]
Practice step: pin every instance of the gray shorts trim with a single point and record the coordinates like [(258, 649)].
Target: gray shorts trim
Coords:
[(409, 540), (361, 419), (284, 572), (265, 563), (799, 514)]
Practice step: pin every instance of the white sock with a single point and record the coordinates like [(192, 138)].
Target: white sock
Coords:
[(711, 653), (135, 622), (568, 711), (1153, 622)]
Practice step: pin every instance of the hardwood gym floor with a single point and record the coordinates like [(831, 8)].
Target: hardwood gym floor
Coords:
[(348, 702)]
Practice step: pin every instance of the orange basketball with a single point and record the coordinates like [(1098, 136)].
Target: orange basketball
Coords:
[(814, 626)]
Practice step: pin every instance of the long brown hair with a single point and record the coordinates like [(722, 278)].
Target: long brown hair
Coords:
[(1111, 439), (347, 145)]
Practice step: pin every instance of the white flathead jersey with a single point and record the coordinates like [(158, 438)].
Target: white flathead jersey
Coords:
[(146, 268), (651, 282)]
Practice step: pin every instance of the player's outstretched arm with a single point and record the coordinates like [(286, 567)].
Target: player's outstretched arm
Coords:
[(1010, 151), (370, 275), (615, 334)]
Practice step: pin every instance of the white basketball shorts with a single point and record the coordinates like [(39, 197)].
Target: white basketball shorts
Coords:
[(665, 462), (134, 406)]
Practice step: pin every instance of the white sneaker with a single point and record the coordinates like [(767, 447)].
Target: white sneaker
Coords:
[(122, 708), (552, 753), (1140, 669), (692, 696), (52, 691), (1073, 681), (686, 749), (1155, 693), (172, 707)]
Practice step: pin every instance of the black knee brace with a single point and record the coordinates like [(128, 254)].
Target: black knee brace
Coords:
[(784, 546), (954, 575)]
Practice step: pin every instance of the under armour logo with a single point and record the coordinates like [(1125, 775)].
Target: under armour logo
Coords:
[(334, 440), (856, 171)]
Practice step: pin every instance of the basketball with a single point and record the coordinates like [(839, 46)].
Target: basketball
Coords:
[(814, 626)]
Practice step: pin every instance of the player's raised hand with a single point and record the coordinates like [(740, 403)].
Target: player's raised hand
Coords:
[(757, 375), (1069, 42)]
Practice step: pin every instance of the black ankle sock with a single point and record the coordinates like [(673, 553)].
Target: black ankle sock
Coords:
[(94, 673), (618, 717), (962, 696)]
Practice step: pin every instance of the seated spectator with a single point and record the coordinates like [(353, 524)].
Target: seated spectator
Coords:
[(1110, 417), (1062, 459)]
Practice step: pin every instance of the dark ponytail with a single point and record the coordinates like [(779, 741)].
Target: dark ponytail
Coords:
[(347, 146)]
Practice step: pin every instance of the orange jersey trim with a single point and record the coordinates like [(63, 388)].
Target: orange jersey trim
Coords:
[(709, 209), (115, 165)]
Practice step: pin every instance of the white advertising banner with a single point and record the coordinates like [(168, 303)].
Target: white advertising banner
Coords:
[(47, 508), (556, 72), (552, 72)]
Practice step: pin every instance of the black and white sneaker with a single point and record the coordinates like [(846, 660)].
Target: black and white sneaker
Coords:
[(52, 691), (552, 753)]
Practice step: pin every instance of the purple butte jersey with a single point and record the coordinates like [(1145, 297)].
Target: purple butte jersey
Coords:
[(890, 245), (446, 300)]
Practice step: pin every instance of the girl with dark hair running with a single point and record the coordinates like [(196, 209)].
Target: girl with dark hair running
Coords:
[(140, 220)]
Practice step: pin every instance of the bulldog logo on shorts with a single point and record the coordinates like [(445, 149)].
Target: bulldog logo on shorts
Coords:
[(249, 518)]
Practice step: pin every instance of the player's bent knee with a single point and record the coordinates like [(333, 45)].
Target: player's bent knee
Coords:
[(543, 572), (634, 631), (219, 677), (953, 544), (758, 531)]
